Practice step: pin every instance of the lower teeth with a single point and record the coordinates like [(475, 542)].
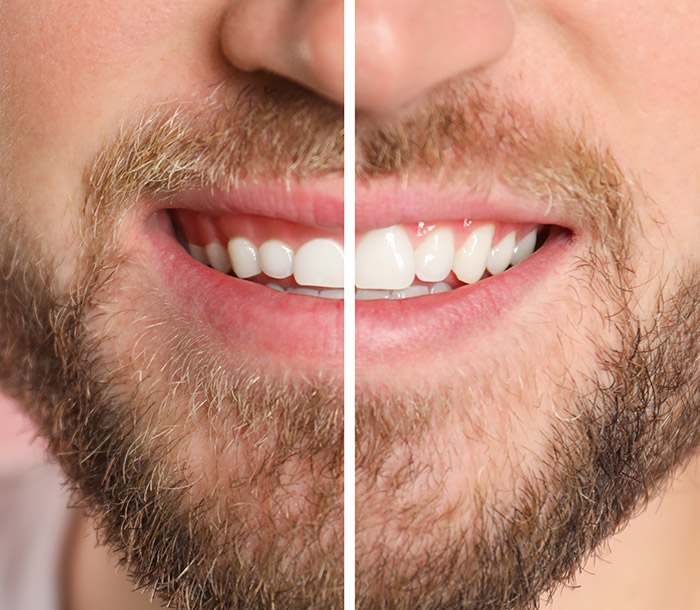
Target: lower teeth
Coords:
[(324, 293), (406, 293)]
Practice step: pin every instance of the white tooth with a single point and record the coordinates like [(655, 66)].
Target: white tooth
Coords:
[(371, 295), (440, 287), (410, 292), (309, 292), (198, 253), (244, 257), (276, 259), (384, 260), (274, 286), (434, 256), (501, 255), (331, 294), (218, 257), (319, 262), (470, 259), (525, 247)]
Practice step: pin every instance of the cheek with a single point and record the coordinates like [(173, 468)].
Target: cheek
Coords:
[(639, 63), (60, 58)]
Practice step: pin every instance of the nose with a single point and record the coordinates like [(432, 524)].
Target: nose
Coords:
[(301, 40), (405, 47)]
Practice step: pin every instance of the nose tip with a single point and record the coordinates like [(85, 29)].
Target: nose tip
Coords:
[(301, 40), (406, 47)]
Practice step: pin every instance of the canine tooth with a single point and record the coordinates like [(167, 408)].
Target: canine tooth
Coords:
[(244, 257), (410, 292), (525, 247), (218, 257), (384, 260), (501, 255), (198, 253), (470, 259), (371, 295), (319, 262), (435, 255), (440, 287), (331, 294), (276, 259)]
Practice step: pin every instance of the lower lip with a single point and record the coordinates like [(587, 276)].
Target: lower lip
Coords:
[(285, 331), (392, 332), (295, 332)]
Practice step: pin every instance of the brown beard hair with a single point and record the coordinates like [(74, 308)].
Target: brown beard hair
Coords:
[(625, 437), (191, 545)]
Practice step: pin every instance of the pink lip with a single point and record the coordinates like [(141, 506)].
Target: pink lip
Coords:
[(282, 332), (305, 333), (386, 202), (317, 203), (392, 333)]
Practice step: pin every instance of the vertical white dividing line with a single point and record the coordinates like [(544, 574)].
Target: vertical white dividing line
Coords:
[(349, 311)]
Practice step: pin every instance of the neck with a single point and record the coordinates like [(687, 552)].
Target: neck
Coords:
[(92, 578), (653, 563)]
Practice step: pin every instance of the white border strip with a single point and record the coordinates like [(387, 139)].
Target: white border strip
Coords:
[(349, 312)]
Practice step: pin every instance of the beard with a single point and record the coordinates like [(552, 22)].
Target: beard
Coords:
[(217, 481), (487, 484)]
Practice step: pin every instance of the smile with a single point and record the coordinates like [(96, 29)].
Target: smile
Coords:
[(397, 262)]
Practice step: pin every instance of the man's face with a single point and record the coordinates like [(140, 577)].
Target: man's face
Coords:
[(504, 428), (507, 426), (199, 414)]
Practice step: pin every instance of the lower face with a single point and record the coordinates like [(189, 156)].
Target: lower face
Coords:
[(508, 426), (523, 373), (198, 414)]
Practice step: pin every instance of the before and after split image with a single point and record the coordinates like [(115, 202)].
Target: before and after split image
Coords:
[(375, 305)]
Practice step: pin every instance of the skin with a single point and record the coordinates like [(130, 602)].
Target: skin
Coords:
[(624, 71), (618, 74)]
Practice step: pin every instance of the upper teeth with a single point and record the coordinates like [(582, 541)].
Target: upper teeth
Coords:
[(386, 261)]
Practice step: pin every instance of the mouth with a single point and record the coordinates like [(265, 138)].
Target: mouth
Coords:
[(397, 262), (266, 267), (249, 308), (449, 288)]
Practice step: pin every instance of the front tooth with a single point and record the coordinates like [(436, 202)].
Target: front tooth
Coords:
[(525, 247), (244, 257), (319, 262), (384, 260), (470, 259), (276, 259), (434, 257), (218, 257), (501, 255)]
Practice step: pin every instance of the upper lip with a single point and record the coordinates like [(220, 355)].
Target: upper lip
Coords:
[(379, 203), (386, 202), (315, 202)]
